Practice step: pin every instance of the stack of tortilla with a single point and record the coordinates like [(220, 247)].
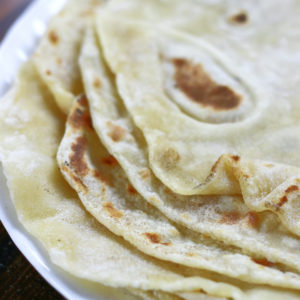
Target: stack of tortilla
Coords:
[(154, 146)]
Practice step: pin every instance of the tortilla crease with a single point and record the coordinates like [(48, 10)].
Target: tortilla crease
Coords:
[(56, 55), (225, 218), (107, 194), (200, 156)]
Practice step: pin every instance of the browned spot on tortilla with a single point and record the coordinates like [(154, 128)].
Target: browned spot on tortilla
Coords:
[(48, 72), (240, 18), (131, 190), (292, 188), (113, 212), (154, 238), (109, 161), (282, 201), (144, 174), (77, 162), (65, 168), (297, 180), (235, 157), (253, 219), (201, 88), (170, 158), (80, 118), (83, 101), (191, 254), (262, 261), (58, 61), (117, 132), (102, 178), (97, 82), (79, 181), (53, 37), (231, 218)]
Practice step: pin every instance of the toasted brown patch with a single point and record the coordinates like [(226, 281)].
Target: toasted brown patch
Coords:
[(131, 190), (102, 178), (48, 72), (117, 132), (235, 158), (97, 82), (262, 261), (154, 238), (191, 254), (240, 18), (109, 161), (231, 218), (292, 188), (282, 201), (170, 158), (253, 219), (145, 173), (201, 88), (79, 181), (80, 118), (53, 37), (77, 162), (113, 212), (83, 101), (58, 61)]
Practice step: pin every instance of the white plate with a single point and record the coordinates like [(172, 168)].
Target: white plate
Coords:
[(16, 48)]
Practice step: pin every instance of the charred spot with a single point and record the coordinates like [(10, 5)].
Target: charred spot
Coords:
[(48, 72), (253, 219), (113, 212), (240, 18), (292, 188), (102, 178), (77, 162), (116, 132), (53, 37), (83, 101), (231, 218), (282, 201), (80, 118), (235, 158), (131, 190), (199, 87), (154, 238), (109, 161), (170, 158), (262, 261), (97, 82)]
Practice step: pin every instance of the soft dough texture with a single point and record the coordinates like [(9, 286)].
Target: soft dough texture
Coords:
[(225, 218), (256, 156)]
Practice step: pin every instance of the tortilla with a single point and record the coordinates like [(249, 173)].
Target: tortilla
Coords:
[(225, 218), (190, 156), (32, 126), (108, 195), (56, 55)]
